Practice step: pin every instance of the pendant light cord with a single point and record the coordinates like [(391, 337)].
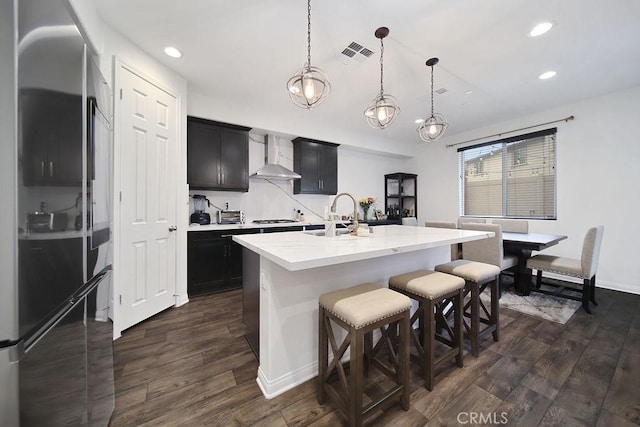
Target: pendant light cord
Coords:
[(308, 33), (381, 67), (432, 91)]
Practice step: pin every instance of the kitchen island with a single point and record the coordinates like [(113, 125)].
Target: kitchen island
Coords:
[(284, 273)]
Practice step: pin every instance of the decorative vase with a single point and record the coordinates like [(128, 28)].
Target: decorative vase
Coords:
[(365, 211)]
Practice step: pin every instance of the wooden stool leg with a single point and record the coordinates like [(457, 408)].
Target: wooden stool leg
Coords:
[(495, 308), (429, 341), (457, 325), (475, 319), (356, 379), (323, 355), (405, 325), (593, 290)]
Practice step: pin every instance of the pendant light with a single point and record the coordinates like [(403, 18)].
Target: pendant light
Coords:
[(434, 125), (384, 108), (309, 86)]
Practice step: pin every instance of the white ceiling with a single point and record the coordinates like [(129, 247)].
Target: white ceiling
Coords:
[(244, 51)]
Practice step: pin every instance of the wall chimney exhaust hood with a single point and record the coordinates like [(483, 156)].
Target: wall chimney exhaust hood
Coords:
[(272, 169)]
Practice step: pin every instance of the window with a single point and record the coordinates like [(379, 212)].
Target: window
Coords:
[(512, 178)]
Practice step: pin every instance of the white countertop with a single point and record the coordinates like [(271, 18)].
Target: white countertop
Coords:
[(299, 250), (51, 235)]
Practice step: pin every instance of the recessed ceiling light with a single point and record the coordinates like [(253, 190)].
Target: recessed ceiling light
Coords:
[(469, 92), (540, 29), (418, 121), (172, 52), (547, 75)]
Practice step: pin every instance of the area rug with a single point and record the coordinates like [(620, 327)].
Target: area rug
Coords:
[(547, 307)]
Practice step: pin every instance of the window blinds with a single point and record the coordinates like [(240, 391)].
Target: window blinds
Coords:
[(512, 178)]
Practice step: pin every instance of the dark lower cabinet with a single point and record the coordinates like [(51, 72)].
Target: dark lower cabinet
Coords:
[(214, 262), (49, 272)]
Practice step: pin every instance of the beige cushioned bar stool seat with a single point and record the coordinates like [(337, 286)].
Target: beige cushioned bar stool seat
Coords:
[(433, 291), (360, 310), (478, 276)]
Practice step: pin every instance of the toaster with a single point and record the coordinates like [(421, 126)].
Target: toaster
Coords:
[(230, 217), (41, 222)]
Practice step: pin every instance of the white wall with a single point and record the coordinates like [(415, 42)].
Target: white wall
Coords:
[(597, 180)]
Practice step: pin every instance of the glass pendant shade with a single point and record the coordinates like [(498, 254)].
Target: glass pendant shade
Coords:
[(382, 111), (309, 87), (432, 127)]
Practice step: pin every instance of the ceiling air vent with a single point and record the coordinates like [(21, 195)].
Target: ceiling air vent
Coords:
[(350, 53), (354, 51)]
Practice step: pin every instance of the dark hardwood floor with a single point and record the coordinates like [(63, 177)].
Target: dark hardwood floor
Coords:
[(191, 366)]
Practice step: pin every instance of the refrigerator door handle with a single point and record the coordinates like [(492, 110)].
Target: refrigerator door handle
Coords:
[(92, 283), (15, 351)]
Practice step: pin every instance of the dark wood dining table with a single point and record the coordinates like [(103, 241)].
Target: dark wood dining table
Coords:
[(522, 245)]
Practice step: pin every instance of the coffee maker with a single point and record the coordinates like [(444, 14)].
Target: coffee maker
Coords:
[(199, 216)]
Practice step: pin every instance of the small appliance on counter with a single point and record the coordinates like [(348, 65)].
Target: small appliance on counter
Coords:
[(43, 222), (199, 216), (230, 217)]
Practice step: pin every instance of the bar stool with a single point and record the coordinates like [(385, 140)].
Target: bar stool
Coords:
[(434, 291), (360, 310), (478, 276)]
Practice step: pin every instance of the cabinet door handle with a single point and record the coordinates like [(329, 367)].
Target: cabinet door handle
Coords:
[(172, 228), (50, 168), (222, 178), (42, 168), (322, 184)]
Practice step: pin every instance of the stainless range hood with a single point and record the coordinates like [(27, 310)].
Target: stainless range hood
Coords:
[(272, 169)]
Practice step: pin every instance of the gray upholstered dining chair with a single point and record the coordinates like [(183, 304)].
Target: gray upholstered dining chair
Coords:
[(512, 225), (584, 268), (489, 251), (455, 248), (480, 266), (465, 219), (409, 220)]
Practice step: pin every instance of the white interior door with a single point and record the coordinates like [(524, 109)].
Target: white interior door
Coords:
[(148, 135)]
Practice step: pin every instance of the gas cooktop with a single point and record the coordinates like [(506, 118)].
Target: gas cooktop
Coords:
[(272, 221)]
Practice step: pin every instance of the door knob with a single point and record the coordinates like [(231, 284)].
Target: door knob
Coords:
[(173, 228)]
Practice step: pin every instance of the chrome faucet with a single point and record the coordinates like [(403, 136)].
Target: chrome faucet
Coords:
[(355, 210)]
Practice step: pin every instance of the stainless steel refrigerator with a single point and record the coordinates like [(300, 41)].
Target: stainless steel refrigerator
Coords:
[(56, 357)]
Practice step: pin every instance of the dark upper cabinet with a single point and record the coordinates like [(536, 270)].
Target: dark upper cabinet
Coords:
[(317, 163), (51, 133), (217, 155)]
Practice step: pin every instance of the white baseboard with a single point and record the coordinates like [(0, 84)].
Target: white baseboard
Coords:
[(102, 315), (274, 388), (181, 300)]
